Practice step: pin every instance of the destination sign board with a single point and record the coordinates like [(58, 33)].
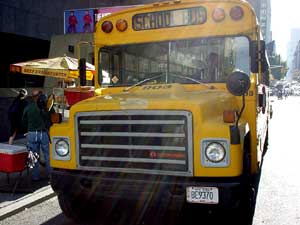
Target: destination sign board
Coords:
[(169, 18)]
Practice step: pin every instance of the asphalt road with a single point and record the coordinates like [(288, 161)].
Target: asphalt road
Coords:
[(278, 201)]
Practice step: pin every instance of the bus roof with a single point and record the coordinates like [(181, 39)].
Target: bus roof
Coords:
[(206, 26)]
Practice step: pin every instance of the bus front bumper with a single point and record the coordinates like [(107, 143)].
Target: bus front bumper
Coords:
[(99, 185)]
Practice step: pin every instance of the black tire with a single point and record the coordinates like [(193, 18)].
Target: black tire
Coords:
[(78, 209), (266, 144), (245, 209)]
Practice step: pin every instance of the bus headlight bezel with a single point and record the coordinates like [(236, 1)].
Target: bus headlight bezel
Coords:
[(58, 154), (219, 146)]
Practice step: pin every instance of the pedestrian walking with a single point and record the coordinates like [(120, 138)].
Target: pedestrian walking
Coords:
[(15, 112), (37, 120)]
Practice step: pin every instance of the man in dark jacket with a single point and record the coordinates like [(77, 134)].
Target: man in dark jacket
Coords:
[(37, 121), (15, 112)]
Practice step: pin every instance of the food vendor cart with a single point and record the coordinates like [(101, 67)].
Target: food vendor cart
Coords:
[(64, 68)]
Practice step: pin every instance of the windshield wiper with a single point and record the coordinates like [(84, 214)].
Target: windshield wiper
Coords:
[(194, 80), (172, 75), (144, 81)]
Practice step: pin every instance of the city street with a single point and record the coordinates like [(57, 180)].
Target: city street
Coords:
[(278, 201)]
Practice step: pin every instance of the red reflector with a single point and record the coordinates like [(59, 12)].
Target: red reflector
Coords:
[(107, 26), (236, 13)]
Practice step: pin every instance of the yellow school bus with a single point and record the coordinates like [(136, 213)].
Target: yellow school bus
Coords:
[(180, 113)]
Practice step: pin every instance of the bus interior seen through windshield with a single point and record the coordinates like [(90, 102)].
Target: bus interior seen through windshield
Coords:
[(209, 60)]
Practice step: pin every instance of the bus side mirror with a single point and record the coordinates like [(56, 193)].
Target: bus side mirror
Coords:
[(258, 56), (82, 71), (238, 83)]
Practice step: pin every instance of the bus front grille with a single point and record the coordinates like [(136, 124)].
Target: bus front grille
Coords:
[(135, 141)]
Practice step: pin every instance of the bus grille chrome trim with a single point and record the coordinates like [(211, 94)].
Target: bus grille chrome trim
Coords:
[(135, 141)]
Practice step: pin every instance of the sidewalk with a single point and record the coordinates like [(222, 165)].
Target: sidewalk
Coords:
[(26, 193)]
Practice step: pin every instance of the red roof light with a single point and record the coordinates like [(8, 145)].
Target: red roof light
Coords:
[(236, 13), (107, 26)]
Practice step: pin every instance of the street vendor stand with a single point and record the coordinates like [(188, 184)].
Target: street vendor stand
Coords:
[(64, 68)]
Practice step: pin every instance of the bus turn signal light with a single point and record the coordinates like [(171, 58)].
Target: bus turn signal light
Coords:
[(121, 25), (236, 13), (229, 116), (218, 15), (107, 26)]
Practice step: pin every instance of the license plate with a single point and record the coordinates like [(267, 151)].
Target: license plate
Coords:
[(202, 195)]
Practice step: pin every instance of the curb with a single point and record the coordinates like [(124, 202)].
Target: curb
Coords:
[(28, 201)]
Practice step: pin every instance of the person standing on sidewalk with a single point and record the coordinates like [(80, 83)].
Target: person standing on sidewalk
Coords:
[(37, 120), (15, 112)]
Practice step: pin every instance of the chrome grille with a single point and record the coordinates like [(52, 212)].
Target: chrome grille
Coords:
[(135, 141)]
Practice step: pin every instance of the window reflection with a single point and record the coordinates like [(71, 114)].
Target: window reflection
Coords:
[(207, 60)]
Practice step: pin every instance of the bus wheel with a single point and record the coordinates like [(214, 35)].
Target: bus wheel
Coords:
[(245, 209), (76, 208), (266, 144)]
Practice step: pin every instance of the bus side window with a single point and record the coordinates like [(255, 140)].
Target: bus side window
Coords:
[(116, 76), (104, 68)]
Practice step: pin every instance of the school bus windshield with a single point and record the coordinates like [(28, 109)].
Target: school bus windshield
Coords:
[(208, 60)]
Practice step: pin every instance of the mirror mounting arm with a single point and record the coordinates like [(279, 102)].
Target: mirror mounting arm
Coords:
[(239, 114)]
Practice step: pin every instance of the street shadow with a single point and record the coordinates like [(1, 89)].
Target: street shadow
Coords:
[(130, 213), (126, 213), (60, 219), (20, 182)]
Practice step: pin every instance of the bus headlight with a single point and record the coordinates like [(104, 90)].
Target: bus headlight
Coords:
[(215, 152), (61, 148)]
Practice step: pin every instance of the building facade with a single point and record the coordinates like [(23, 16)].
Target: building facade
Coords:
[(295, 63), (26, 30), (27, 27), (263, 12), (296, 59), (42, 19), (292, 48)]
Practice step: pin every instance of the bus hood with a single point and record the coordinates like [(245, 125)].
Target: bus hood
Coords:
[(165, 97)]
